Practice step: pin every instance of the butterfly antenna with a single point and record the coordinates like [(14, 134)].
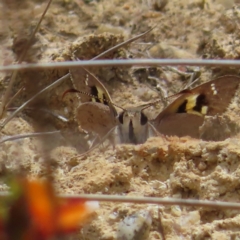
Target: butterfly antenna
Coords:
[(179, 93), (151, 104), (73, 90)]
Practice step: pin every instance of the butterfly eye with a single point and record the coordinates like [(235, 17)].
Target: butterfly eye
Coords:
[(143, 119), (120, 117)]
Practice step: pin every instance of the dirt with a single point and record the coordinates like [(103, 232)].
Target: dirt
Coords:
[(161, 167)]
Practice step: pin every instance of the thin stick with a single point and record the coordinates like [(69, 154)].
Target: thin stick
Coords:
[(149, 200), (97, 145), (31, 99), (160, 90), (14, 97), (122, 44), (125, 62), (175, 70), (58, 116), (153, 200), (27, 135), (14, 74), (34, 32)]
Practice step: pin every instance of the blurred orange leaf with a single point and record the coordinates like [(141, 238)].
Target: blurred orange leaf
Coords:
[(35, 212)]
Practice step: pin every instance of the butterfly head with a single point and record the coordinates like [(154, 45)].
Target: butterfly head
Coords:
[(133, 125), (132, 117)]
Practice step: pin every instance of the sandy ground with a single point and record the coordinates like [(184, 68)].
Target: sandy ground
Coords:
[(161, 167)]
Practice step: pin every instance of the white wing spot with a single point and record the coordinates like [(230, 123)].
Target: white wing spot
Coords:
[(86, 79), (214, 89)]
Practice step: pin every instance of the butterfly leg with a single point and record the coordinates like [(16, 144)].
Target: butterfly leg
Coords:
[(99, 143), (153, 132)]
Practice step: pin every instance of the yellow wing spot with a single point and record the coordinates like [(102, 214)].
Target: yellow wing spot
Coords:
[(194, 112), (191, 102), (204, 110), (100, 95)]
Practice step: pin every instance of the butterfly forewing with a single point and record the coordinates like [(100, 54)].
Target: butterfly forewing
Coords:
[(86, 82), (217, 94), (81, 82), (96, 113), (210, 98)]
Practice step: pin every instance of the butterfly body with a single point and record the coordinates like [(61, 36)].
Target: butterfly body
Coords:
[(133, 126)]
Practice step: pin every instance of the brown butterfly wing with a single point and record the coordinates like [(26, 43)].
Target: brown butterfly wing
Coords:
[(81, 82), (218, 93), (95, 117), (180, 125), (188, 110), (86, 82)]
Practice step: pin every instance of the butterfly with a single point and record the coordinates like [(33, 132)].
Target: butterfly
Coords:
[(182, 117)]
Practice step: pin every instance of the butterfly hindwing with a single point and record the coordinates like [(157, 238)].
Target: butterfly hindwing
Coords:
[(180, 125), (95, 117)]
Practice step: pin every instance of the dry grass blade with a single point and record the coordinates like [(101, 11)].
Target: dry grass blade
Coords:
[(21, 58), (21, 136), (31, 99), (58, 116), (160, 226), (122, 44), (13, 98)]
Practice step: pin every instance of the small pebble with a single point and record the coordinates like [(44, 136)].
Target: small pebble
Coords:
[(135, 227)]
